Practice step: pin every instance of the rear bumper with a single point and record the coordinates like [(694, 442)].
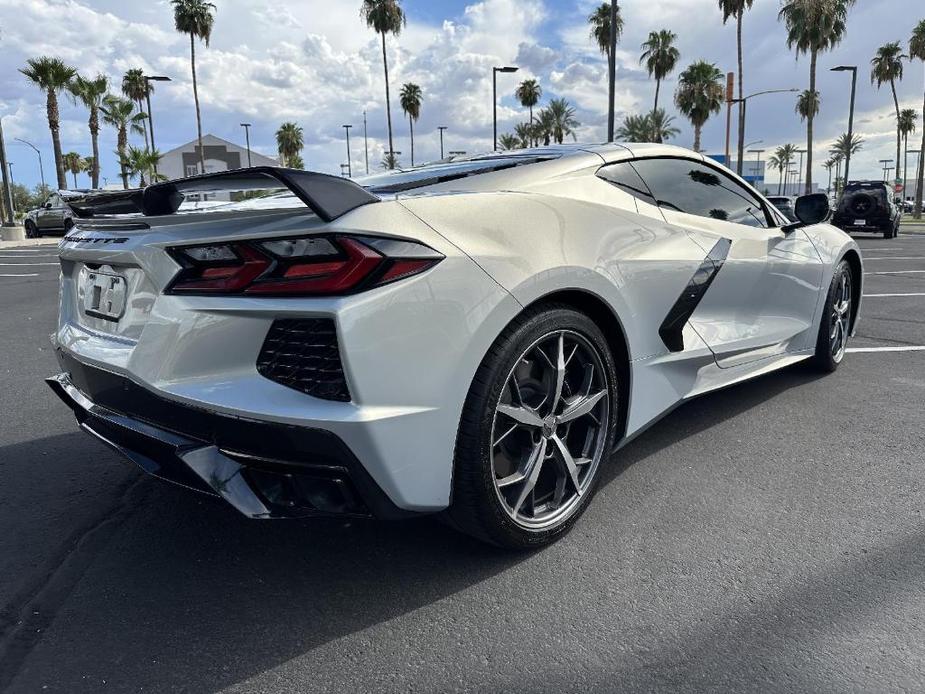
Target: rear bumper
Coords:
[(876, 222), (297, 471)]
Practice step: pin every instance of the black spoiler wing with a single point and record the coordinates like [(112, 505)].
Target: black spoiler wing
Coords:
[(327, 196)]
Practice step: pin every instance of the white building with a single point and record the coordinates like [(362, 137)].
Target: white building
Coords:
[(220, 155)]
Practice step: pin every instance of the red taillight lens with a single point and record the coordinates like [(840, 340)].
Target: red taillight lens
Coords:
[(308, 266)]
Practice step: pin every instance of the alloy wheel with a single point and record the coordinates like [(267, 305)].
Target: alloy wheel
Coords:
[(840, 319), (549, 429)]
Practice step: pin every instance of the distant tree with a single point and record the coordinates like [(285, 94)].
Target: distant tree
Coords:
[(660, 57), (562, 120), (137, 88), (699, 95), (411, 98), (142, 163), (390, 161), (196, 18), (529, 93), (74, 163), (524, 133), (600, 27), (807, 104), (509, 141), (385, 17), (845, 147), (290, 142), (917, 52), (52, 76), (92, 93), (887, 66), (121, 114), (737, 8)]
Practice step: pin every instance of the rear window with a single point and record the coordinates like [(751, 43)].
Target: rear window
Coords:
[(401, 180), (871, 187)]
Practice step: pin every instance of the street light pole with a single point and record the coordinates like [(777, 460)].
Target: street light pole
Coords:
[(441, 128), (801, 152), (757, 153), (7, 188), (744, 102), (365, 142), (38, 154), (247, 138), (494, 99), (152, 78), (612, 71), (349, 165), (854, 83)]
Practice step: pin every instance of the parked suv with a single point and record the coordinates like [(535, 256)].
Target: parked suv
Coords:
[(868, 206), (53, 217)]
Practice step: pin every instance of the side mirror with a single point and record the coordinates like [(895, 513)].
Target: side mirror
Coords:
[(809, 209), (47, 205)]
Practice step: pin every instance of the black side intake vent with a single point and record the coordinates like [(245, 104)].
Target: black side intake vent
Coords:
[(303, 354)]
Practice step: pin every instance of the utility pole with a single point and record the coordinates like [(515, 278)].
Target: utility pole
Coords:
[(247, 137), (612, 71), (365, 142), (7, 189), (441, 128), (349, 165)]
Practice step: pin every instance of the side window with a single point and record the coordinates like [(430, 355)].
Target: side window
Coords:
[(625, 177), (694, 188), (54, 201)]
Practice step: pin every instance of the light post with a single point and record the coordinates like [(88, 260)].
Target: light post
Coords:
[(152, 78), (494, 98), (349, 165), (344, 168), (916, 176), (611, 71), (884, 165), (441, 128), (38, 154), (744, 101), (247, 138), (801, 152), (365, 143), (7, 188), (854, 83), (757, 153)]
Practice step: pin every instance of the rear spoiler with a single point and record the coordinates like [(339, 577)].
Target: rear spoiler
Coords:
[(327, 196)]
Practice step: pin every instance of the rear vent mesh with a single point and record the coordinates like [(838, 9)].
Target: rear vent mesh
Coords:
[(303, 354)]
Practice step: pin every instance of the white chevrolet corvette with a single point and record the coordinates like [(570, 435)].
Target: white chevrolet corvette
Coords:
[(473, 338)]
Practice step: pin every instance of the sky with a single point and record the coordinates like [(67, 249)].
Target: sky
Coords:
[(316, 63)]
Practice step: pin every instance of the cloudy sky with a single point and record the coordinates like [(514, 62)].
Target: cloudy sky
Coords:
[(315, 62)]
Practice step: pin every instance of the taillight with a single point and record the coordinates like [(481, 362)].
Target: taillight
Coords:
[(307, 266)]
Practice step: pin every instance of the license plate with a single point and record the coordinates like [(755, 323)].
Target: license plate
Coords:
[(104, 295), (860, 222)]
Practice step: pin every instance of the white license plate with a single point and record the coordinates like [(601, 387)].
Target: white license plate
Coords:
[(860, 222)]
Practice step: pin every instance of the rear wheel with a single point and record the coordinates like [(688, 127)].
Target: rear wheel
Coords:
[(537, 425), (31, 231), (832, 341)]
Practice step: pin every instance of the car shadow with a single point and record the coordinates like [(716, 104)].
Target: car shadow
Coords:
[(179, 592)]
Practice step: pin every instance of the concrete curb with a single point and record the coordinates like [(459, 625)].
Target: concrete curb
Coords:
[(40, 242)]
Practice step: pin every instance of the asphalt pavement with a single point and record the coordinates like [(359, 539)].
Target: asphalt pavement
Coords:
[(765, 538)]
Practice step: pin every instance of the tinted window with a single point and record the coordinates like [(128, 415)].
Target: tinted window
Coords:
[(694, 188), (624, 177)]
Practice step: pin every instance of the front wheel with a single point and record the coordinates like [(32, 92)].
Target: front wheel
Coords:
[(835, 327), (31, 231), (537, 425)]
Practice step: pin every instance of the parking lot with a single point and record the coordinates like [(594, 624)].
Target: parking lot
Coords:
[(769, 537)]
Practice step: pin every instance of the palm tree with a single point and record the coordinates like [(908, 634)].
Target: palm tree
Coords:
[(385, 17), (700, 93), (89, 167), (813, 26), (73, 163), (887, 66), (524, 133), (410, 97), (774, 162), (137, 88), (562, 120), (660, 125), (907, 119), (736, 8), (142, 162), (509, 141), (600, 27), (121, 114), (290, 141), (807, 104), (651, 127), (390, 160), (91, 93), (917, 50), (543, 127), (781, 159), (529, 93), (842, 146), (635, 128), (828, 166), (53, 76), (660, 57), (296, 162), (194, 17)]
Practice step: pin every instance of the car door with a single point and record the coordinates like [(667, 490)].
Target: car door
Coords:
[(763, 290), (50, 217)]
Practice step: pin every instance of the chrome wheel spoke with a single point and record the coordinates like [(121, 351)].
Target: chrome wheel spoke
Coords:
[(521, 415), (532, 474), (582, 406), (566, 457), (560, 373)]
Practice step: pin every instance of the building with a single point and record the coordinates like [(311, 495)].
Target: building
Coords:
[(220, 155), (753, 170)]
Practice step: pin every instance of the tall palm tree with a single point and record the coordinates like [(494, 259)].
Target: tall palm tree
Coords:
[(385, 17), (838, 159), (91, 93), (813, 26), (907, 119), (73, 163), (807, 104), (887, 66), (194, 17), (660, 126), (142, 163), (844, 148), (53, 76), (699, 95), (562, 119), (917, 51), (509, 141), (529, 93), (736, 8), (120, 113), (774, 162), (600, 27), (543, 127), (782, 158), (828, 165), (137, 88), (411, 97), (290, 142), (660, 57), (88, 168)]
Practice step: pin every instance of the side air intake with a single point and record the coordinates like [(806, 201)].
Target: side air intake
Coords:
[(303, 354)]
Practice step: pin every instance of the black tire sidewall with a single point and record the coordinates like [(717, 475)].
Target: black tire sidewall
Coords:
[(823, 357), (473, 474)]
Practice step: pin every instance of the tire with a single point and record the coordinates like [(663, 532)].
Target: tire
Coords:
[(888, 233), (835, 325), (31, 231), (548, 444)]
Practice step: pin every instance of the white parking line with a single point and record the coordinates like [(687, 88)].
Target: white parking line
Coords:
[(34, 274), (899, 257), (26, 264), (27, 257), (871, 296), (895, 272), (911, 348)]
